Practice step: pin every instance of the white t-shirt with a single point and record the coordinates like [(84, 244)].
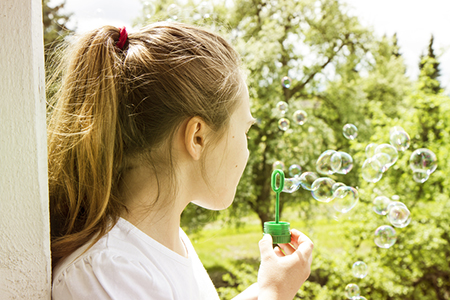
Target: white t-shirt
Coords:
[(128, 264)]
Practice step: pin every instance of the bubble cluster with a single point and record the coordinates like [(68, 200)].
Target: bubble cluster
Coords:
[(278, 165), (350, 131), (282, 107), (422, 162), (322, 189), (331, 161), (283, 124), (389, 151), (399, 138), (307, 179), (352, 291), (345, 198), (291, 185), (295, 170), (385, 236), (360, 269), (286, 82), (300, 117), (380, 205), (398, 214)]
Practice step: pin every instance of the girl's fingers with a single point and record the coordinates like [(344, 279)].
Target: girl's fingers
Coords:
[(287, 248), (278, 252), (301, 241)]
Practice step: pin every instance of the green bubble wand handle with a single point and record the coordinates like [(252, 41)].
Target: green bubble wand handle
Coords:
[(277, 190)]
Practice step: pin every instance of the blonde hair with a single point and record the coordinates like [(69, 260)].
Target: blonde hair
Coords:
[(114, 105)]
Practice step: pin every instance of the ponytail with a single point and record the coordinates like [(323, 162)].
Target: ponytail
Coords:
[(85, 145)]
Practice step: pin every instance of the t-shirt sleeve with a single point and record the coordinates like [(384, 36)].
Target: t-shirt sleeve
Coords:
[(105, 276)]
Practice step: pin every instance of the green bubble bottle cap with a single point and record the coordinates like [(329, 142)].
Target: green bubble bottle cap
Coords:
[(279, 231)]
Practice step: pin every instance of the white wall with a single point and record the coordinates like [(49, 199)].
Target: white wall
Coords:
[(25, 268)]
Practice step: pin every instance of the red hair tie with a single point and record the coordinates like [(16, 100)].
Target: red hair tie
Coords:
[(123, 36)]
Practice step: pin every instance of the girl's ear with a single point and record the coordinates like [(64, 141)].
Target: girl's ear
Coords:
[(194, 137)]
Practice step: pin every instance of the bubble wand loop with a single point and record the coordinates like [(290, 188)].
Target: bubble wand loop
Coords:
[(277, 190), (280, 231)]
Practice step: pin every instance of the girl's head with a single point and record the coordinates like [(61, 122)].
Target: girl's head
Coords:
[(116, 108)]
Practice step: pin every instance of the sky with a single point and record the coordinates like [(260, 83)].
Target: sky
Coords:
[(413, 20)]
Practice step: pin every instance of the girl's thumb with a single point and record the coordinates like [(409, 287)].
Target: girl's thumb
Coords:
[(265, 246)]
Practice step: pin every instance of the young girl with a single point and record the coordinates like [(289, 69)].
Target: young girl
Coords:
[(144, 124)]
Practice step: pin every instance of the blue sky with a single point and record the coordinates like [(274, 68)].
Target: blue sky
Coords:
[(413, 20)]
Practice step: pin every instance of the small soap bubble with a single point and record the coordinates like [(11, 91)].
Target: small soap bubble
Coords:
[(389, 150), (420, 176), (380, 205), (307, 179), (283, 124), (286, 82), (352, 291), (205, 9), (282, 107), (371, 170), (360, 269), (346, 197), (173, 11), (350, 131), (399, 138), (398, 214), (322, 189), (291, 185), (336, 186), (149, 9), (385, 236), (325, 165), (300, 117), (423, 160), (384, 159), (346, 163), (370, 150), (295, 170), (278, 165)]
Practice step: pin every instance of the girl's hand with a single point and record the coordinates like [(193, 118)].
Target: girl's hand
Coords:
[(281, 274)]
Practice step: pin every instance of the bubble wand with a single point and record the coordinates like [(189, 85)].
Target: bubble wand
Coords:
[(279, 230)]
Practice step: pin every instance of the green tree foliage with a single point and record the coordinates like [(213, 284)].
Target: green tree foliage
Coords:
[(431, 64), (55, 24)]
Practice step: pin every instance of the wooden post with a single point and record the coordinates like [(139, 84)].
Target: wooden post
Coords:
[(25, 265)]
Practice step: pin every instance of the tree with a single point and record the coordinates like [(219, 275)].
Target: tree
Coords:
[(432, 69), (55, 24)]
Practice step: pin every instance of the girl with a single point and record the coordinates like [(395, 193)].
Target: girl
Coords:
[(143, 125)]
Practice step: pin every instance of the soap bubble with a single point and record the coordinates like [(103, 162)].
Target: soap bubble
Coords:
[(295, 170), (286, 82), (389, 150), (420, 176), (370, 150), (278, 165), (282, 107), (173, 11), (149, 9), (398, 214), (399, 138), (385, 236), (360, 298), (283, 124), (346, 163), (346, 197), (380, 205), (325, 165), (300, 117), (350, 131), (371, 170), (205, 9), (307, 179), (352, 291), (322, 189), (384, 159), (291, 185), (359, 269), (423, 160)]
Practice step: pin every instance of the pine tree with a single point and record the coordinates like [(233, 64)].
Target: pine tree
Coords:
[(430, 67)]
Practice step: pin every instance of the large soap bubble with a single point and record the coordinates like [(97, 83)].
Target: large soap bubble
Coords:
[(399, 138), (372, 170), (300, 117), (346, 162), (370, 150), (291, 185), (350, 131), (380, 205), (398, 214), (385, 236), (384, 159), (327, 164), (389, 150), (423, 160), (322, 189), (307, 179), (345, 198), (360, 269), (352, 291)]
